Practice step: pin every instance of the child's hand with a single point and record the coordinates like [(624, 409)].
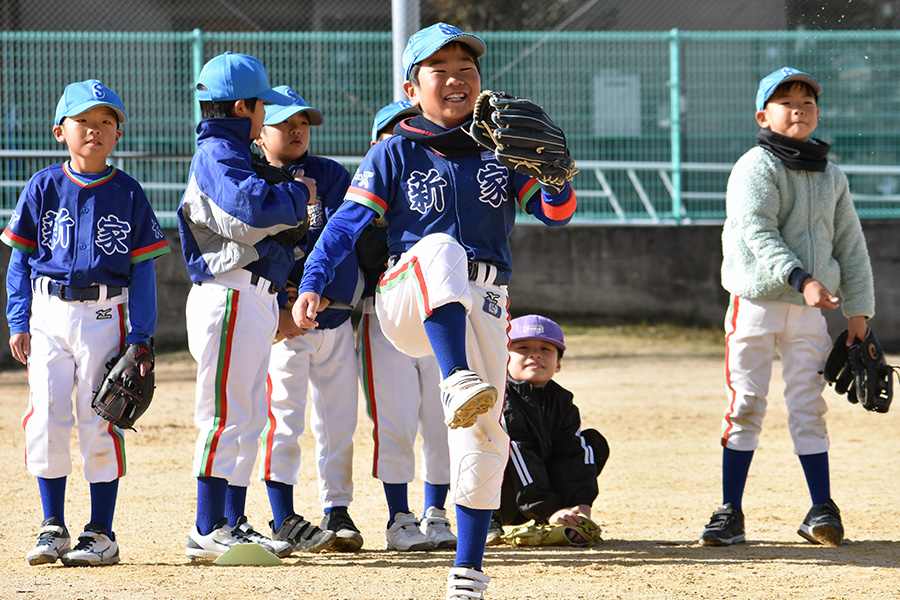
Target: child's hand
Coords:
[(310, 184), (286, 325), (570, 515), (817, 295), (20, 345), (304, 310), (856, 330)]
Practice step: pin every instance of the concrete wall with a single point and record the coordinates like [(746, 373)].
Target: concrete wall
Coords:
[(626, 272)]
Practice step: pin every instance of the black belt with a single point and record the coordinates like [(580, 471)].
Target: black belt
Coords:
[(85, 294), (274, 288)]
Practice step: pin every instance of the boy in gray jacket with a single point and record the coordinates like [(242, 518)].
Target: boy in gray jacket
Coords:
[(791, 239)]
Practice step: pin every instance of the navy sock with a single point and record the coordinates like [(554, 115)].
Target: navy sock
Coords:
[(397, 500), (53, 498), (210, 502), (446, 331), (735, 467), (235, 503), (103, 504), (472, 526), (435, 495), (281, 499), (818, 478)]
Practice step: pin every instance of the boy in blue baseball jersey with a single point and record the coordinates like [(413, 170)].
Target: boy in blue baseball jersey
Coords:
[(229, 219), (450, 209), (317, 363), (791, 240), (81, 287)]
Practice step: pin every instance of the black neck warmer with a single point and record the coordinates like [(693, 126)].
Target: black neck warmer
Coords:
[(449, 142), (796, 155)]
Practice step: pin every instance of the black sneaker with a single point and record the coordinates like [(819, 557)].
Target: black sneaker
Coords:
[(726, 527), (347, 537), (822, 524), (301, 534), (495, 533)]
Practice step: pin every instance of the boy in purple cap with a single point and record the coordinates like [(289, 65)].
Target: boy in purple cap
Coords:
[(81, 287), (318, 363), (227, 219), (553, 464), (791, 240), (450, 209)]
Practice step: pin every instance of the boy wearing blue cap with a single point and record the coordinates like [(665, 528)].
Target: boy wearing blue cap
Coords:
[(320, 362), (553, 464), (791, 240), (81, 287), (402, 397), (228, 219), (450, 209)]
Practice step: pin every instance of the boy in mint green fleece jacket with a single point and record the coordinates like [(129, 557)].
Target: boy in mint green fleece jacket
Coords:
[(791, 240)]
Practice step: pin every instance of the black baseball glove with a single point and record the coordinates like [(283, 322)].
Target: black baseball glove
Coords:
[(861, 372), (124, 394), (522, 137), (273, 176)]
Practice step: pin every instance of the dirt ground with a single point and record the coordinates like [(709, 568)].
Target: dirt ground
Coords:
[(656, 394)]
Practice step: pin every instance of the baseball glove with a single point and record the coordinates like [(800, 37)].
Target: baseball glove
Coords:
[(124, 394), (586, 533), (522, 137), (861, 372), (273, 176)]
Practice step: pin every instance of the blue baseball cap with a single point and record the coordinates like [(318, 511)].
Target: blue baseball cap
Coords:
[(426, 42), (231, 76), (536, 327), (390, 112), (84, 95), (771, 81), (276, 113)]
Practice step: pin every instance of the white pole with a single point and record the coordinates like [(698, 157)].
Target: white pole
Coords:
[(405, 21)]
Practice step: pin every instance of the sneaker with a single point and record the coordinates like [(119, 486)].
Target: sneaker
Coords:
[(495, 533), (466, 584), (212, 545), (404, 534), (726, 527), (53, 541), (347, 537), (822, 524), (436, 527), (301, 534), (465, 396), (244, 530), (96, 546)]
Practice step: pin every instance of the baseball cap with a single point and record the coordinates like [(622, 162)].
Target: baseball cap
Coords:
[(81, 96), (536, 327), (391, 112), (276, 113), (231, 76), (426, 42), (771, 81)]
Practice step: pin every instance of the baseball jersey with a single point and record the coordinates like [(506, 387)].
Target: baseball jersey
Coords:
[(81, 230), (228, 212), (422, 190)]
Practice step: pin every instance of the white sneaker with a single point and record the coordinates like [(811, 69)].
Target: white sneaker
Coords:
[(95, 547), (436, 527), (53, 541), (466, 584), (404, 534), (212, 545), (465, 396), (244, 530)]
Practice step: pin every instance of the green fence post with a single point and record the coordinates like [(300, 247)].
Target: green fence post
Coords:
[(197, 66), (675, 118)]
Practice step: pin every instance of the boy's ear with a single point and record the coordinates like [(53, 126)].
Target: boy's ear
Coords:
[(412, 92), (762, 118), (58, 134), (240, 109)]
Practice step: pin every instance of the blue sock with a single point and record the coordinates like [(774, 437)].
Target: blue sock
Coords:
[(103, 504), (235, 503), (53, 498), (735, 467), (210, 502), (435, 495), (281, 499), (472, 526), (818, 478), (397, 500), (446, 330)]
